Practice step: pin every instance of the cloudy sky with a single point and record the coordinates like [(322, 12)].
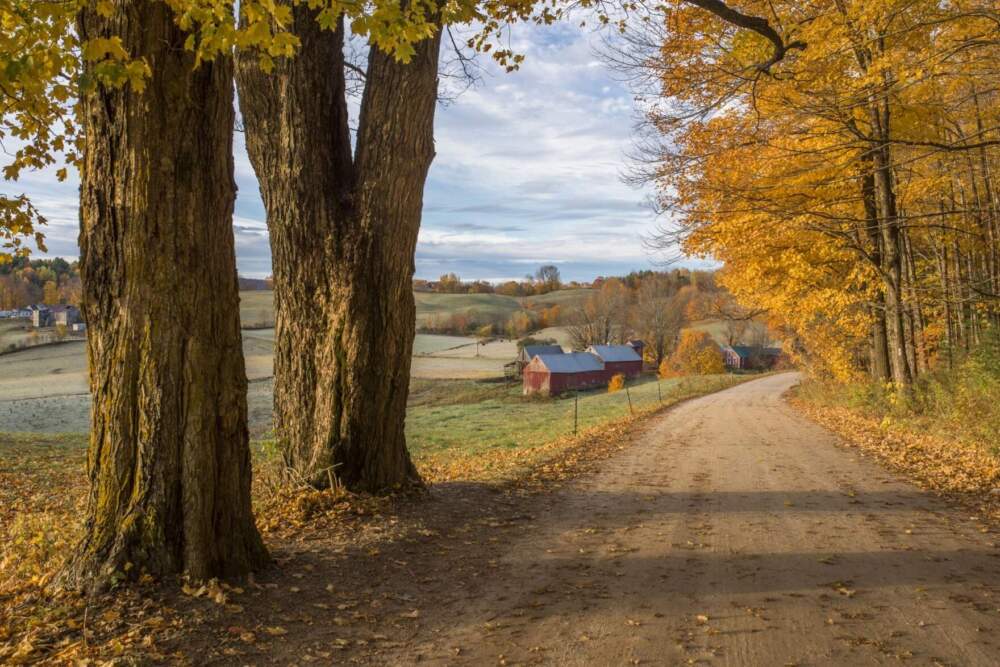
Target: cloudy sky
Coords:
[(527, 172)]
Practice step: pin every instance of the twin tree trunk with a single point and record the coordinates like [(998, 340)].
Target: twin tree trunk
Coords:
[(343, 227), (168, 460)]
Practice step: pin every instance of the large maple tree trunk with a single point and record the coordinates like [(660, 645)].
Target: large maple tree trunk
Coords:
[(343, 227), (169, 462)]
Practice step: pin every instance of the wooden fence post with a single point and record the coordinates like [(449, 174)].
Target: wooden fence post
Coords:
[(629, 396), (576, 409)]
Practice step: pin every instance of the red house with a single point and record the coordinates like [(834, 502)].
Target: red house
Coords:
[(555, 373), (618, 359)]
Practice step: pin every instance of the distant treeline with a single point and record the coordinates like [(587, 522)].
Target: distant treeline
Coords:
[(24, 282), (256, 284), (546, 279), (653, 305)]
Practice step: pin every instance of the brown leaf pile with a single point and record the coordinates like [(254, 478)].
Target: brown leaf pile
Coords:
[(42, 626), (966, 471)]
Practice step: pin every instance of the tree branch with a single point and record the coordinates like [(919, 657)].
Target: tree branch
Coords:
[(754, 23)]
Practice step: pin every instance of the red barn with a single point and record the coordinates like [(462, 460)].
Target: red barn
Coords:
[(555, 373), (618, 359)]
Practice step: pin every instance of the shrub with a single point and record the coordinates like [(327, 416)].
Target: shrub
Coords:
[(617, 383)]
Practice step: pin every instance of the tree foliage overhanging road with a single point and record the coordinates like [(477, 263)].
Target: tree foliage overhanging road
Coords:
[(850, 190)]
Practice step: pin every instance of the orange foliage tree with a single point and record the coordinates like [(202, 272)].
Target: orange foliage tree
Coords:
[(849, 184), (696, 354)]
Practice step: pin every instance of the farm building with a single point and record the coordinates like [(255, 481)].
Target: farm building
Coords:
[(745, 357), (49, 316), (529, 352), (638, 345), (555, 373), (618, 359)]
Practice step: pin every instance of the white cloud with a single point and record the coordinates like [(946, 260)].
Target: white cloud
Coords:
[(527, 171)]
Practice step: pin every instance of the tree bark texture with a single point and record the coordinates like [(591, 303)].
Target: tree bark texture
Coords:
[(892, 254), (343, 227), (873, 239), (168, 461)]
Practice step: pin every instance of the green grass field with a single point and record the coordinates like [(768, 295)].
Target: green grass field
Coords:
[(454, 419), (12, 333), (486, 306), (564, 298)]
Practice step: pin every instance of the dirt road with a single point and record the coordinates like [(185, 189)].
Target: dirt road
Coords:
[(732, 532)]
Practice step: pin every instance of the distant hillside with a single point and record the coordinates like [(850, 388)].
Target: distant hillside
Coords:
[(253, 284), (564, 298), (487, 306), (257, 309), (257, 306)]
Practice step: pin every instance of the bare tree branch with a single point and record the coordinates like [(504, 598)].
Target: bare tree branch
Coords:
[(754, 23)]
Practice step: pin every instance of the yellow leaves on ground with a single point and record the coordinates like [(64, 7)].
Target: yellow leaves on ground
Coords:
[(954, 466)]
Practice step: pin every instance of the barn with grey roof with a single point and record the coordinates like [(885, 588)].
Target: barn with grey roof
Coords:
[(618, 359), (555, 373)]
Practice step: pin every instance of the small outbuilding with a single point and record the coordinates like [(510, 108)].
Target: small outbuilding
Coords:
[(553, 374), (529, 352), (745, 357), (43, 315), (618, 359)]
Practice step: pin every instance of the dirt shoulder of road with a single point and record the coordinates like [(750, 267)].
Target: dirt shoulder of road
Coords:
[(965, 472)]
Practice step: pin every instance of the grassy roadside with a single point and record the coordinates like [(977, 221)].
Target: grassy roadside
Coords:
[(457, 430), (932, 449), (475, 431)]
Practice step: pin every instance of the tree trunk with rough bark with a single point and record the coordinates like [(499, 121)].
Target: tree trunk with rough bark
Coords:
[(343, 232), (168, 461), (873, 239), (891, 244)]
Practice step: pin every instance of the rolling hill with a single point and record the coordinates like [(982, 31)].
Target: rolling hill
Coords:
[(257, 306)]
